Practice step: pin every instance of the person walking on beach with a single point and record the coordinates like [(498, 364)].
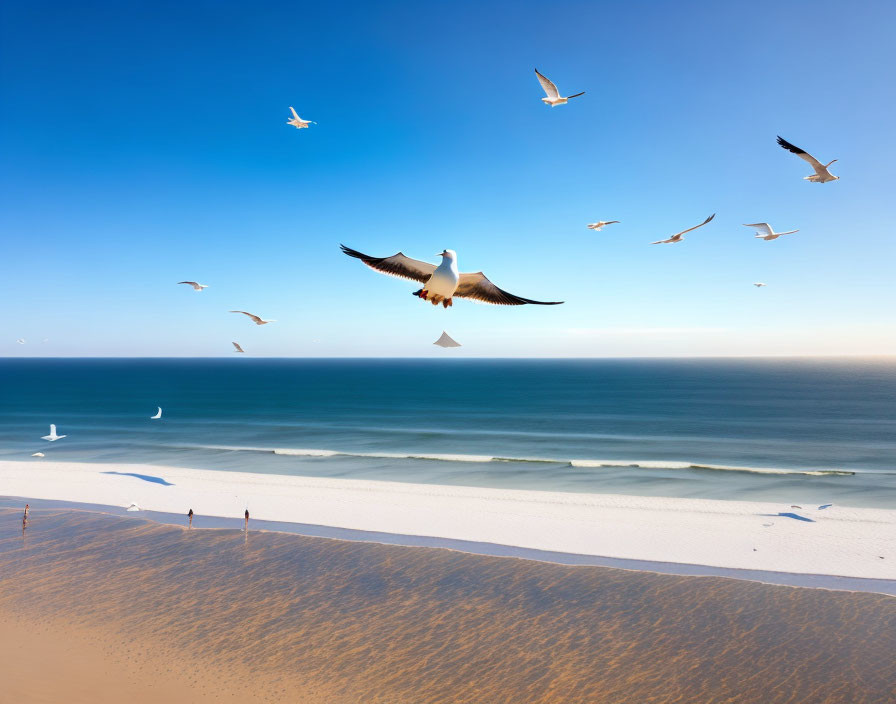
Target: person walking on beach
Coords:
[(247, 520), (190, 516)]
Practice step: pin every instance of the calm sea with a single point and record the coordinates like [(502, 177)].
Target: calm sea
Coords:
[(794, 430)]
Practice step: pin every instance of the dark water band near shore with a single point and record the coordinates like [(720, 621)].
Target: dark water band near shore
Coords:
[(268, 616)]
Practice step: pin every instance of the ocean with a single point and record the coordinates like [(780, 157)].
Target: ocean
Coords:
[(783, 430)]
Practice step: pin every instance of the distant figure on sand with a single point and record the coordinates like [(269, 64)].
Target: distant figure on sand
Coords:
[(190, 516), (247, 519), (27, 507)]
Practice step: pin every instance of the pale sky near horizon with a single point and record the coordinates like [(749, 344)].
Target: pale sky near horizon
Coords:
[(145, 143)]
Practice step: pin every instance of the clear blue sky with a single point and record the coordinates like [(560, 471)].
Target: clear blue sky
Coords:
[(145, 143)]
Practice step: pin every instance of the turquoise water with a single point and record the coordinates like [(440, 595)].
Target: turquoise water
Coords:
[(795, 430)]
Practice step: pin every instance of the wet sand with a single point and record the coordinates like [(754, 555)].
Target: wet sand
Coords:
[(104, 608)]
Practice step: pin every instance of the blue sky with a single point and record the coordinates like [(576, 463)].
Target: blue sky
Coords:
[(145, 143)]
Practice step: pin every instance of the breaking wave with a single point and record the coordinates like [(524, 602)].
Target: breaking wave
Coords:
[(480, 459)]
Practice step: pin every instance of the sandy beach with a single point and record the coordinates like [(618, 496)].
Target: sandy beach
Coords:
[(852, 542), (97, 608)]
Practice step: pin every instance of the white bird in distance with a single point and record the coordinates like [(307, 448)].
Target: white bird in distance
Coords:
[(821, 175), (255, 318), (677, 237), (297, 121), (52, 437), (21, 340), (157, 415), (759, 284), (237, 348), (767, 232), (196, 286), (553, 95), (443, 282), (599, 225)]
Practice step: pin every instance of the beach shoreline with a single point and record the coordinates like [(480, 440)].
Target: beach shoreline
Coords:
[(159, 612), (734, 535)]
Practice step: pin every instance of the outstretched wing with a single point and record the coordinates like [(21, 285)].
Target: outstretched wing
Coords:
[(816, 164), (575, 95), (479, 288), (237, 347), (294, 113), (678, 235), (764, 226), (254, 317), (189, 283), (396, 265), (549, 88)]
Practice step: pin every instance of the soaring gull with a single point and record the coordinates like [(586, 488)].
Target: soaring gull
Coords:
[(759, 284), (599, 225), (677, 237), (196, 286), (237, 348), (443, 282), (553, 95), (767, 232), (446, 341), (157, 415), (255, 318), (52, 437), (297, 121), (821, 175)]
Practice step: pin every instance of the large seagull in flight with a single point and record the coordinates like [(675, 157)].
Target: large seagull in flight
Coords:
[(443, 282)]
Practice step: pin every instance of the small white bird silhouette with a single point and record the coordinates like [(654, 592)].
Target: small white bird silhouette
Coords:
[(677, 237), (157, 415), (255, 318), (767, 232), (297, 121), (821, 175), (52, 437), (196, 286), (599, 225), (759, 284), (553, 95)]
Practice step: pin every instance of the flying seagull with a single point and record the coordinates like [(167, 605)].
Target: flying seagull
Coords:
[(759, 284), (553, 95), (196, 286), (443, 282), (38, 454), (821, 175), (52, 437), (21, 340), (767, 232), (599, 225), (255, 318), (446, 341), (157, 415), (237, 348), (297, 121), (678, 236)]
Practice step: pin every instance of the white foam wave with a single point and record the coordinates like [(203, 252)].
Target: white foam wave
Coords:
[(577, 463)]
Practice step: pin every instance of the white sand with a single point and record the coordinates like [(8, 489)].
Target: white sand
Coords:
[(842, 541)]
